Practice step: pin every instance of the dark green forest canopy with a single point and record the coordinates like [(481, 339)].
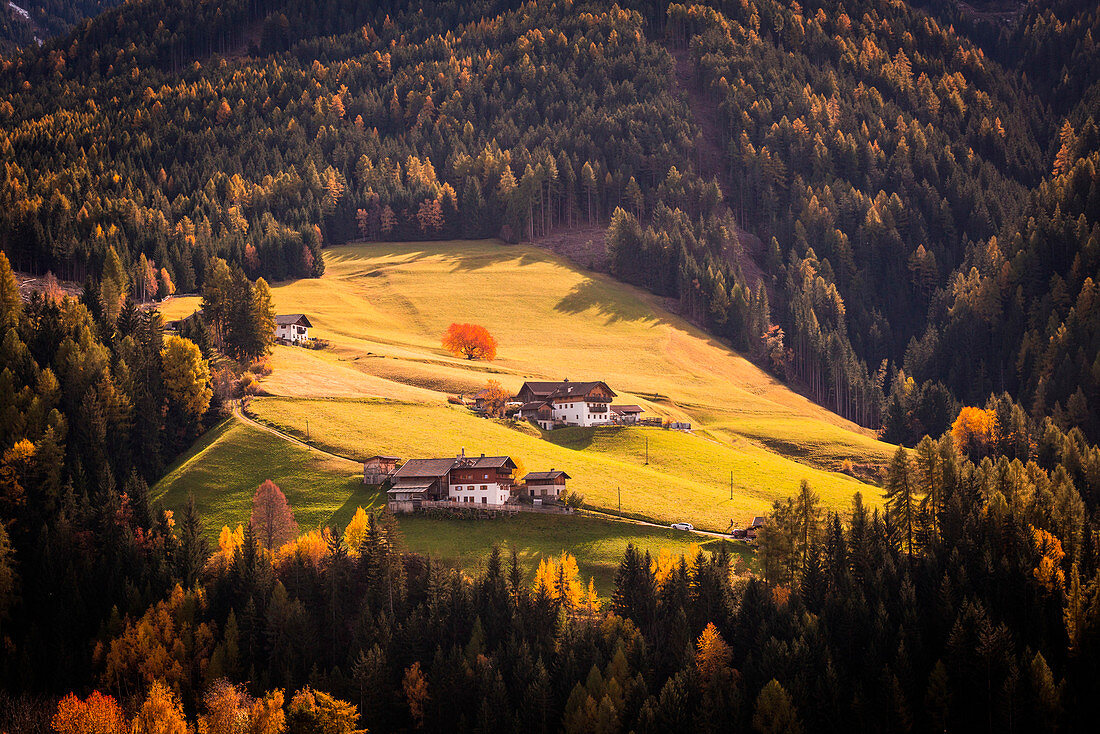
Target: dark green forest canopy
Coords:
[(44, 19), (874, 150)]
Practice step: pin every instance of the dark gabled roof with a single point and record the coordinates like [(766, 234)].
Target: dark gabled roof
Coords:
[(383, 458), (564, 389), (540, 475), (758, 522), (534, 405), (541, 389), (627, 409), (292, 318), (424, 468), (484, 462)]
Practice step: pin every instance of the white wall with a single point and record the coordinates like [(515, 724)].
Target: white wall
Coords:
[(493, 494), (290, 333), (576, 413)]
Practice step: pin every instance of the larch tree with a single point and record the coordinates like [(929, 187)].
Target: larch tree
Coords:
[(160, 713), (113, 285), (775, 712), (901, 499), (11, 305), (263, 320), (186, 376), (470, 341), (272, 518)]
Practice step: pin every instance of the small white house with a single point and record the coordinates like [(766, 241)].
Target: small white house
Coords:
[(292, 327)]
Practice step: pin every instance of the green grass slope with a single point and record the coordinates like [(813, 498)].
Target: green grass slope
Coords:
[(687, 478), (223, 470), (231, 460), (384, 307)]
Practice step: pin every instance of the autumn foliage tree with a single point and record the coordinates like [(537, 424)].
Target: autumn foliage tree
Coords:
[(470, 341), (96, 714), (272, 519), (494, 397), (971, 431)]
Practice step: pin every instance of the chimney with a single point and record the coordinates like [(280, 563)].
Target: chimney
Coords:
[(462, 453), (483, 454), (566, 380)]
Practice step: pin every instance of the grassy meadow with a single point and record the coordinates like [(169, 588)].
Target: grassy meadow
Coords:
[(224, 469), (687, 478), (382, 387)]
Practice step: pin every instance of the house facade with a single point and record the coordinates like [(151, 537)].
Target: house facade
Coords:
[(476, 480), (565, 403), (545, 484), (483, 480), (292, 327)]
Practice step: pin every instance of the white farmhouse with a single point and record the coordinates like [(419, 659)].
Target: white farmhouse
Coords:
[(566, 403), (292, 327)]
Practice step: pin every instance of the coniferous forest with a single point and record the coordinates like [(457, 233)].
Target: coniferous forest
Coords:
[(892, 206)]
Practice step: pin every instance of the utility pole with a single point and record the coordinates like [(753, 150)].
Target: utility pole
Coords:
[(731, 484), (647, 450), (619, 490), (307, 430)]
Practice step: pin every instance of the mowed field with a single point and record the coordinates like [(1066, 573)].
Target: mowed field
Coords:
[(382, 385), (687, 477), (223, 470)]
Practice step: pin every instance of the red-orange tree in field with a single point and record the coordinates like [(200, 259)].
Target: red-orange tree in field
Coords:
[(470, 341)]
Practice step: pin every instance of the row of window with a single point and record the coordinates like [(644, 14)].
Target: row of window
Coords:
[(458, 487)]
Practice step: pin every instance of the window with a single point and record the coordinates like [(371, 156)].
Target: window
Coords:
[(471, 488), (483, 487), (532, 493), (484, 500)]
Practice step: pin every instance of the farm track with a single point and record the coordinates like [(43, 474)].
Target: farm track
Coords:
[(245, 418)]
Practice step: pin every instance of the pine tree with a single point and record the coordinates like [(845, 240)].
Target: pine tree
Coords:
[(901, 499)]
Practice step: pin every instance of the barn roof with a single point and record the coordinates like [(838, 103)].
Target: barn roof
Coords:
[(537, 476), (424, 468), (484, 462), (289, 319)]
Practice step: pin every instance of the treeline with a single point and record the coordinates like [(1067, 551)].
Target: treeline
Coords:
[(869, 145), (411, 126), (968, 600), (94, 403)]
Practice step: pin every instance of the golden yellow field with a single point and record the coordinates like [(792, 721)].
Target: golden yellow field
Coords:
[(384, 308)]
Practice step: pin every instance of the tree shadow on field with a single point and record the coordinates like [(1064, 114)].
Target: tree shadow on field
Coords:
[(361, 496), (591, 294), (466, 260)]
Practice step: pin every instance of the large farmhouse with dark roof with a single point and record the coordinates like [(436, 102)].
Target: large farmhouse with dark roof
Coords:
[(479, 480), (565, 403)]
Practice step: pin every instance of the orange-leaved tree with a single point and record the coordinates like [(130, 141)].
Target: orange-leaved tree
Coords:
[(494, 398), (272, 519), (972, 430), (97, 714), (470, 341)]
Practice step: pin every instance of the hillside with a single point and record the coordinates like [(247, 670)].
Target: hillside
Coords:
[(224, 468), (382, 385)]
